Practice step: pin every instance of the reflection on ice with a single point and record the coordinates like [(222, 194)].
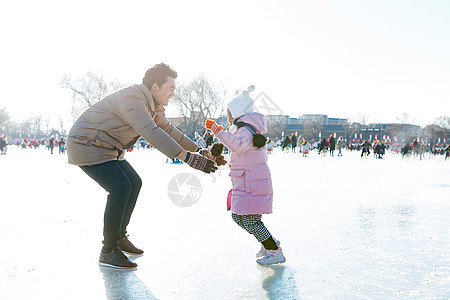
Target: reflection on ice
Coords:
[(350, 228), (404, 215), (278, 282), (366, 218), (124, 284)]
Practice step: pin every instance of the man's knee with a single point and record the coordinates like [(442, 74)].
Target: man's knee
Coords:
[(137, 183), (123, 187)]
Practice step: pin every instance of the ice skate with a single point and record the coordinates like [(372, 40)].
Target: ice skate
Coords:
[(263, 251), (272, 257)]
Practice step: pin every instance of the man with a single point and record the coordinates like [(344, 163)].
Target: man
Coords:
[(2, 145), (98, 141), (332, 143), (51, 144)]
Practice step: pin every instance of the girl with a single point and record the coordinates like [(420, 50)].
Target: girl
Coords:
[(305, 148), (270, 144), (250, 175)]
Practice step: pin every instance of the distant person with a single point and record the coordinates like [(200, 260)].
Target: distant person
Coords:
[(447, 152), (3, 145), (323, 146), (406, 150), (62, 146), (340, 145), (377, 150), (200, 141), (332, 145), (365, 148), (315, 144), (100, 137), (423, 150), (51, 144), (251, 195), (416, 147), (306, 146), (270, 144), (293, 142), (209, 139), (286, 143)]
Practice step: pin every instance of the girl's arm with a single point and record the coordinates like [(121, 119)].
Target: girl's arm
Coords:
[(239, 142)]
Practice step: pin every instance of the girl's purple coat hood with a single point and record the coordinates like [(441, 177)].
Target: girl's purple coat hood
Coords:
[(255, 119)]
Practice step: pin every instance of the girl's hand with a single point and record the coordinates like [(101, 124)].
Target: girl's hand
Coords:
[(213, 126)]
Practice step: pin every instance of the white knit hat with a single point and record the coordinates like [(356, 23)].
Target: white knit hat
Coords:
[(242, 104)]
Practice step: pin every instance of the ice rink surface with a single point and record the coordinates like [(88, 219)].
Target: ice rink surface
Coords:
[(350, 228)]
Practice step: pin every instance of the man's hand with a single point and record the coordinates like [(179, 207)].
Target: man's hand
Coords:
[(211, 124), (200, 162), (205, 152)]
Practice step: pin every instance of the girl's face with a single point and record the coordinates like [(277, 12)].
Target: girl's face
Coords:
[(229, 117)]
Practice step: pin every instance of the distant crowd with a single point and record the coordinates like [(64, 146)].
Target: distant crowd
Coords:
[(378, 148), (332, 145), (294, 144), (32, 143)]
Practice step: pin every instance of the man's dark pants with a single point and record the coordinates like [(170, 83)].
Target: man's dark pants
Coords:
[(123, 184)]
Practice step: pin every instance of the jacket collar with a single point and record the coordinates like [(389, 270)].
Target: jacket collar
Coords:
[(151, 102)]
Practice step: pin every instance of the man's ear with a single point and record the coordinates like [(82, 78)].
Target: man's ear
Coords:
[(155, 87)]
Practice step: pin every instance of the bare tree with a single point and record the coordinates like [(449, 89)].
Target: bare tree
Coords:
[(197, 101), (402, 128), (276, 124), (443, 121), (36, 122), (435, 131), (352, 128), (88, 90), (363, 119), (61, 126), (26, 128), (47, 125), (4, 120), (313, 125)]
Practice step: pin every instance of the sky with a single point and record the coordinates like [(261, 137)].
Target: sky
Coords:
[(378, 61)]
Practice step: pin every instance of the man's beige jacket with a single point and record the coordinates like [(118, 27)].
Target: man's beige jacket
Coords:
[(115, 123)]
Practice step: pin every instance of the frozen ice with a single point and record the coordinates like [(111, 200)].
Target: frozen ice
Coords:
[(350, 228)]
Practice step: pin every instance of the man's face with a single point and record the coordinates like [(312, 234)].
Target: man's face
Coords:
[(163, 94)]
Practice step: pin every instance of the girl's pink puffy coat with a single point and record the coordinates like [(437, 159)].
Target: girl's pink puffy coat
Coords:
[(249, 172)]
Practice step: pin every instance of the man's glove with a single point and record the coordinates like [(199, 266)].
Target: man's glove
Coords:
[(200, 162), (215, 128), (205, 152)]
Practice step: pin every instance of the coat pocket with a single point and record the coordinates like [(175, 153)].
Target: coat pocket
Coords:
[(80, 140), (238, 180)]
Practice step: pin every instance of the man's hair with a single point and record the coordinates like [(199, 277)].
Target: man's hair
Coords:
[(158, 74)]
